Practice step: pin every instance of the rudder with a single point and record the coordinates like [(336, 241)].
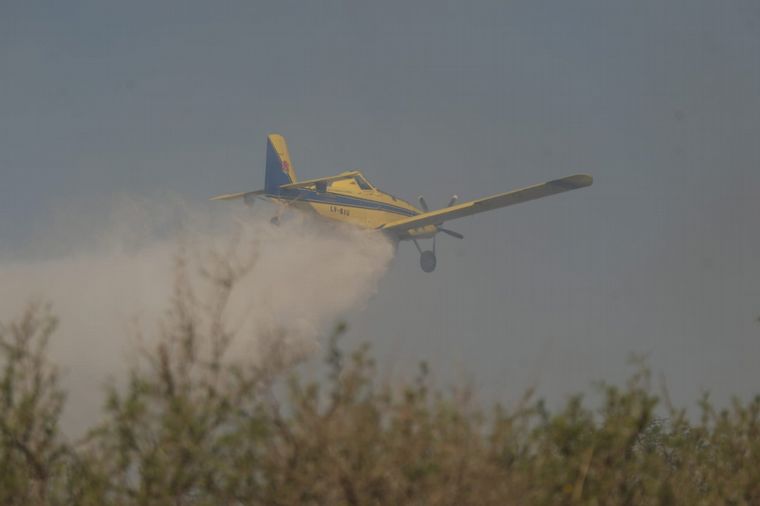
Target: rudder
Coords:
[(279, 170)]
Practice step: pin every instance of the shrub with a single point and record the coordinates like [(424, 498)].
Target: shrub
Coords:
[(193, 425)]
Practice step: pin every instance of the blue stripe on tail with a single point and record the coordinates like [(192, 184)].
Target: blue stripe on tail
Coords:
[(276, 170)]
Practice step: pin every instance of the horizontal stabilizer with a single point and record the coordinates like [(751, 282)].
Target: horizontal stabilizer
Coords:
[(243, 195), (489, 203)]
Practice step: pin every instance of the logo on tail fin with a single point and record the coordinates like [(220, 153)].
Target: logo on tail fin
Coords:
[(279, 170)]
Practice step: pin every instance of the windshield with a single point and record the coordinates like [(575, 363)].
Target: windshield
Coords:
[(363, 183)]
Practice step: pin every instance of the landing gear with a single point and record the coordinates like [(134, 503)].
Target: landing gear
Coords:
[(427, 258), (427, 261)]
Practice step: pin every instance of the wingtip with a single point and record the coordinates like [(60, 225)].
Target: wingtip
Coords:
[(573, 182), (581, 180)]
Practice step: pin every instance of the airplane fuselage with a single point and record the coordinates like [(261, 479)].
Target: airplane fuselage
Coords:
[(346, 201)]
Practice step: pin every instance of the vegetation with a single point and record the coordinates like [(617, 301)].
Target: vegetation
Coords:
[(193, 426)]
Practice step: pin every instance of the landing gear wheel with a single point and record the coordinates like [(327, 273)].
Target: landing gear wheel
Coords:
[(275, 221), (427, 261)]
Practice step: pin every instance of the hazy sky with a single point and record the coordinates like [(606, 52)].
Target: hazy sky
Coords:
[(659, 100)]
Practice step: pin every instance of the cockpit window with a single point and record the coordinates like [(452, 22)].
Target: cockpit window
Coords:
[(363, 184)]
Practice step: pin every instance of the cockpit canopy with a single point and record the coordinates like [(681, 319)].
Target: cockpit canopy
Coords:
[(362, 182), (349, 181)]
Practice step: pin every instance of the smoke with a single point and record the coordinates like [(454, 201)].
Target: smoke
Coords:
[(114, 282)]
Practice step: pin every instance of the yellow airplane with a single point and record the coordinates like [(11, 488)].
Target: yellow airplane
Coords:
[(349, 197)]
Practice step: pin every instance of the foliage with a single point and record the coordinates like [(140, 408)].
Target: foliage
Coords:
[(32, 453), (195, 425)]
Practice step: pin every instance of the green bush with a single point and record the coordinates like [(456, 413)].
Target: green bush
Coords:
[(194, 426)]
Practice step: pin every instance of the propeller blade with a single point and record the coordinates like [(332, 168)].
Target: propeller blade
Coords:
[(453, 200), (451, 233), (423, 203)]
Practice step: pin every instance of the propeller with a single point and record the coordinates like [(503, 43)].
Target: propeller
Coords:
[(451, 233), (452, 201), (424, 206)]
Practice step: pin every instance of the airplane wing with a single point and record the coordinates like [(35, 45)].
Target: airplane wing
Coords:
[(244, 195), (489, 203), (312, 182)]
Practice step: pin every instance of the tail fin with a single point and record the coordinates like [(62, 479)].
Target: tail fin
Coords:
[(279, 170)]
